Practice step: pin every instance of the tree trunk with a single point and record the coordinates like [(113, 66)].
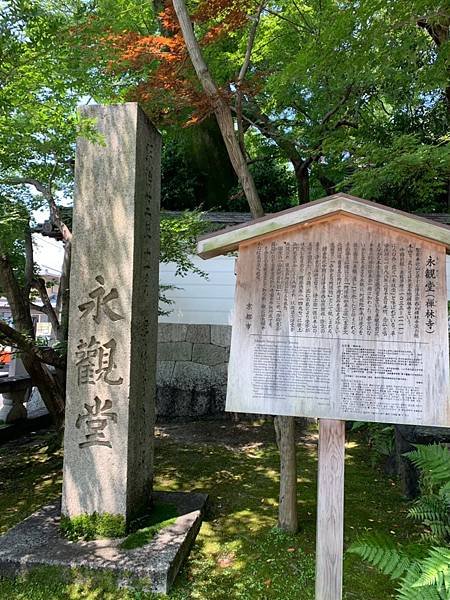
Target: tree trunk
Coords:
[(221, 110), (284, 426), (287, 512), (302, 175), (301, 171), (52, 393), (62, 305), (328, 185)]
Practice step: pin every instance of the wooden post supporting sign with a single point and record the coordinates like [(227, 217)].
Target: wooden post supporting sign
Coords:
[(330, 510)]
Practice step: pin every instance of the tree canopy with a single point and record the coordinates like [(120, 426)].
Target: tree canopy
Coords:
[(352, 96)]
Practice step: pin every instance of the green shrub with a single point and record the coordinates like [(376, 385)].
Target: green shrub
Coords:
[(423, 570), (380, 439)]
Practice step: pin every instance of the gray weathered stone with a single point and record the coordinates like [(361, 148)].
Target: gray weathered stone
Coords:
[(174, 351), (172, 332), (108, 458), (191, 376), (207, 354), (15, 402), (37, 541), (164, 372), (221, 335), (219, 375), (199, 334)]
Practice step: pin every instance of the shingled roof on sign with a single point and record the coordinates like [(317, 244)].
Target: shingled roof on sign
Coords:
[(227, 240)]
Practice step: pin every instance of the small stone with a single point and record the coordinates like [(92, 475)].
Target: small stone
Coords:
[(207, 354), (172, 332), (199, 334), (174, 351), (221, 335)]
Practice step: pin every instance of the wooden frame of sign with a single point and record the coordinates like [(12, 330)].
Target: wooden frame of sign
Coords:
[(341, 314)]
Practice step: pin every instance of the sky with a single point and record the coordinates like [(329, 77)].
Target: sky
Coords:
[(48, 254)]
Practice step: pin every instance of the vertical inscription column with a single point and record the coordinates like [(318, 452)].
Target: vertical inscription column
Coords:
[(108, 453)]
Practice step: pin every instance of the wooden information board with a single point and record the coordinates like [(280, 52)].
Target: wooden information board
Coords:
[(340, 313), (341, 319)]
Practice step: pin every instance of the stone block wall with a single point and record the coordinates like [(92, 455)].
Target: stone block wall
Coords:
[(192, 370)]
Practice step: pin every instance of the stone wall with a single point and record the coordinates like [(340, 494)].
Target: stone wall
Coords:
[(192, 370)]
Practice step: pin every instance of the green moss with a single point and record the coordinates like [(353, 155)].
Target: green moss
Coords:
[(238, 554), (90, 527), (161, 516)]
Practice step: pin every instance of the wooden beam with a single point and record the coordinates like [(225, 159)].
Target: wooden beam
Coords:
[(229, 239), (330, 510)]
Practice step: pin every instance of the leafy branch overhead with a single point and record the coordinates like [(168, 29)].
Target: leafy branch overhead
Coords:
[(342, 91)]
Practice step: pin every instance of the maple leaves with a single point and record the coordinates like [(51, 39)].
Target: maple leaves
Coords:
[(168, 87)]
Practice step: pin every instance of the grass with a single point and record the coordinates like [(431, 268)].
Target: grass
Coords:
[(239, 553), (161, 516)]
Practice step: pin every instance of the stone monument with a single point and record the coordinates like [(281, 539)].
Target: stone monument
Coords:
[(108, 452), (108, 455)]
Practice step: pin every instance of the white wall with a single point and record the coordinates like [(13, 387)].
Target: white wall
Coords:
[(209, 301), (199, 300)]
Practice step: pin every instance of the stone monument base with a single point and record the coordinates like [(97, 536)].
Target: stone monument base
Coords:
[(37, 542)]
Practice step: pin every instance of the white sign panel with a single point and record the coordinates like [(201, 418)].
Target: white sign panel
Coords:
[(341, 319)]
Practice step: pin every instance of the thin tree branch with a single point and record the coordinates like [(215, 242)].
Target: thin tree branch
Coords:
[(242, 74), (250, 43), (46, 192), (302, 16), (346, 123), (26, 344), (62, 302), (296, 26), (39, 285), (29, 261), (341, 102), (39, 307)]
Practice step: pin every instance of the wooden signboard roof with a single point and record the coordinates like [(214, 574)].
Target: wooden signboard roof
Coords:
[(229, 239)]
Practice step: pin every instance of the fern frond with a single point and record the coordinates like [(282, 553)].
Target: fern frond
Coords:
[(382, 554), (407, 591), (433, 461), (435, 570), (430, 508), (444, 492), (433, 511)]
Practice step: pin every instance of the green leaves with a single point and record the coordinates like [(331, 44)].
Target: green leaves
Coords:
[(381, 553), (433, 462), (420, 578), (179, 240), (423, 573)]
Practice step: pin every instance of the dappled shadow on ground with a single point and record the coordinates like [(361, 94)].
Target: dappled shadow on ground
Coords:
[(238, 553), (230, 434), (30, 476)]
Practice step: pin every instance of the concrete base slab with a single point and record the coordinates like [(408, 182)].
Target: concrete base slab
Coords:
[(37, 542)]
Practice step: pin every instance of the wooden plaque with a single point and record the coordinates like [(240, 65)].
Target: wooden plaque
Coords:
[(341, 318)]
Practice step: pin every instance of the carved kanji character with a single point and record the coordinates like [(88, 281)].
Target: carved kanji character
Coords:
[(99, 302), (96, 420)]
